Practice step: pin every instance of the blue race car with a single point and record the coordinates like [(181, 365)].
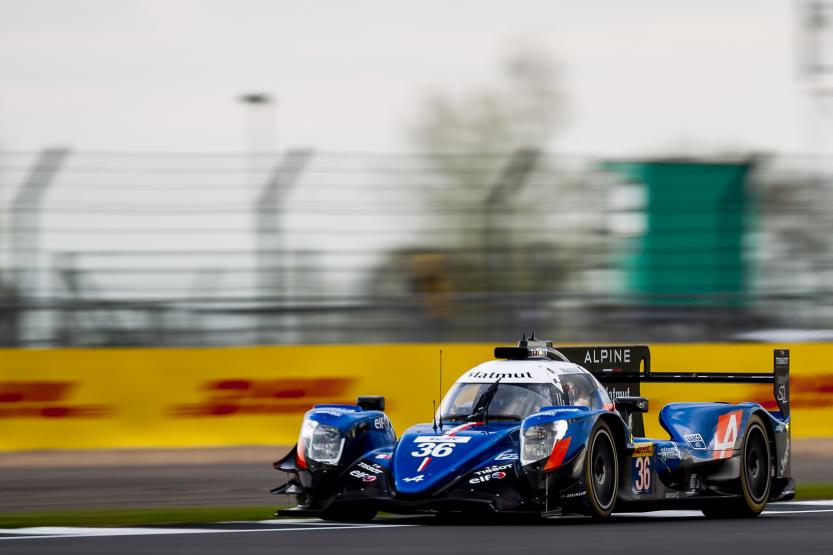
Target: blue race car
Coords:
[(537, 432)]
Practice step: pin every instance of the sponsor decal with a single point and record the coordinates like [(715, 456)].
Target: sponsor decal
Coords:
[(643, 450), (383, 456), (507, 457), (641, 475), (488, 477), (442, 439), (373, 467), (601, 356), (479, 374), (581, 493), (333, 411), (785, 460), (695, 441), (380, 422), (672, 494), (46, 400), (781, 395), (616, 392), (416, 479), (669, 453), (726, 434), (363, 476), (245, 396), (493, 468)]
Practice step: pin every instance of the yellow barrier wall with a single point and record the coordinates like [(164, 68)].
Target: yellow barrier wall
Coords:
[(54, 399)]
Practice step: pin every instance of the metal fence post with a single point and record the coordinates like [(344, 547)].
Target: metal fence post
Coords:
[(25, 239), (271, 258)]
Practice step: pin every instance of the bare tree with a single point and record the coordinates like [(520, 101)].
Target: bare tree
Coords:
[(523, 110), (469, 142)]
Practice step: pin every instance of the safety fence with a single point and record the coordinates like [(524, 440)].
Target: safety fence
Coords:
[(220, 249)]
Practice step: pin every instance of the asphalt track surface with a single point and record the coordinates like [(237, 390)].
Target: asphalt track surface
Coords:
[(133, 486), (784, 528), (36, 488)]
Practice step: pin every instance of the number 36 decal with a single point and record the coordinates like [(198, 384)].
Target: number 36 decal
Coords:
[(641, 475), (433, 450)]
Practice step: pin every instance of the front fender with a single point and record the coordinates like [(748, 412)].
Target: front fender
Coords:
[(558, 479), (579, 421), (362, 432)]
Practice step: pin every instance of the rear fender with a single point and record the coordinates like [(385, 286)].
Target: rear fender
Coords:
[(778, 430), (710, 431)]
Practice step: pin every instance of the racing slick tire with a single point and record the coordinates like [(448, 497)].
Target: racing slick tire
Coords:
[(601, 471), (755, 478), (350, 514)]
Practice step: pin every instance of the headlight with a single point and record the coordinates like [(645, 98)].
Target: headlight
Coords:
[(537, 442), (321, 443)]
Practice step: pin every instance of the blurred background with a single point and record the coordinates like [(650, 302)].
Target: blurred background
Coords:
[(269, 174), (217, 173)]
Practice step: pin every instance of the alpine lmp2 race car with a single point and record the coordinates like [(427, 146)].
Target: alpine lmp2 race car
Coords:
[(537, 432)]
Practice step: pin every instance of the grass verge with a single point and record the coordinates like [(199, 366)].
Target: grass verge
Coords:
[(814, 491), (133, 517)]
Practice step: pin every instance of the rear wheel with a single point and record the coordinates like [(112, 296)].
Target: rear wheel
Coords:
[(601, 471), (755, 476)]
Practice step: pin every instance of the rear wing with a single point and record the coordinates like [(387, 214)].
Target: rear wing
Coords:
[(621, 368)]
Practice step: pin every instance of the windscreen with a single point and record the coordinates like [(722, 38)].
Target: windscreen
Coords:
[(511, 401)]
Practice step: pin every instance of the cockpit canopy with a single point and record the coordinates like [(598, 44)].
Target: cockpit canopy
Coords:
[(513, 390), (511, 401)]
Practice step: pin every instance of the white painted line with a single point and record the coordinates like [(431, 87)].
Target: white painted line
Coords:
[(63, 533), (798, 512), (312, 521), (820, 502), (689, 514), (662, 514), (72, 530)]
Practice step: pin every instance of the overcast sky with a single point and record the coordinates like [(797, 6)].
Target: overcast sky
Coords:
[(640, 76)]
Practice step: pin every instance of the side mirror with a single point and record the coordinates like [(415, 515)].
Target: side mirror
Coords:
[(371, 402), (628, 405)]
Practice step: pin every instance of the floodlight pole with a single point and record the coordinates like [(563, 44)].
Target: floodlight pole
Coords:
[(260, 129)]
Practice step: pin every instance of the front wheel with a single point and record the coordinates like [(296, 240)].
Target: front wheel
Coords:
[(601, 471), (755, 476)]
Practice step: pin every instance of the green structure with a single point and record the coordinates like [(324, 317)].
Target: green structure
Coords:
[(692, 250)]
